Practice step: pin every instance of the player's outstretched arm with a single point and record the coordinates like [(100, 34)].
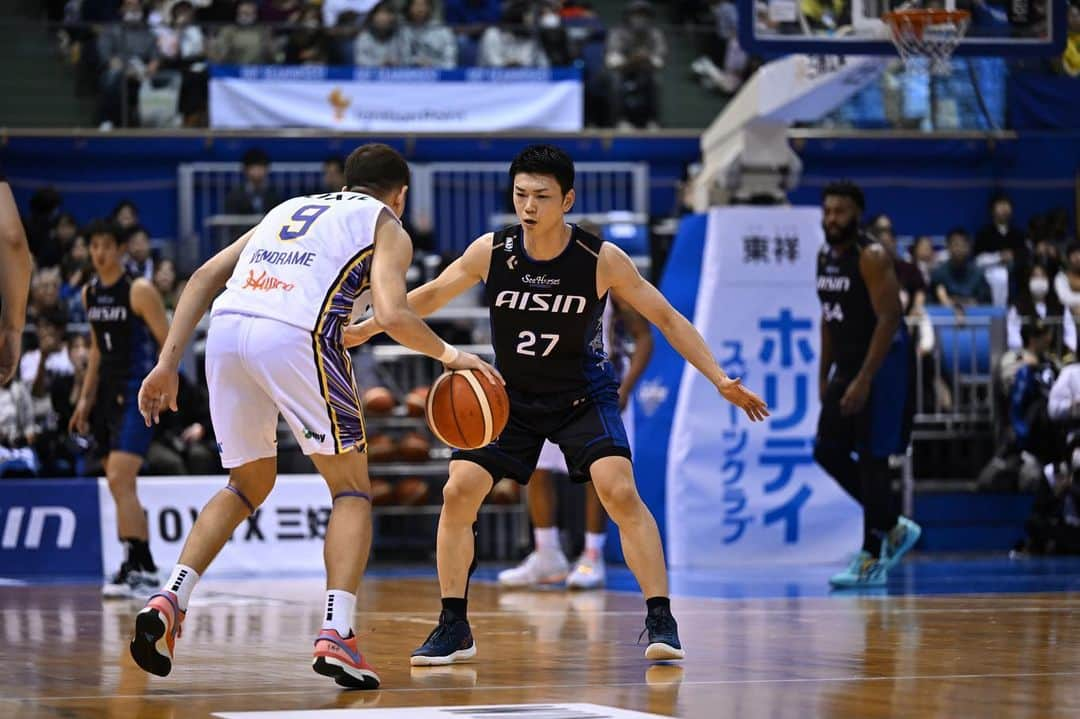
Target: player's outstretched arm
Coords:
[(14, 283), (616, 271), (158, 391), (460, 275), (392, 310)]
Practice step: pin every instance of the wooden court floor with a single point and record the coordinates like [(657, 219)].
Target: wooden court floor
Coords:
[(247, 644)]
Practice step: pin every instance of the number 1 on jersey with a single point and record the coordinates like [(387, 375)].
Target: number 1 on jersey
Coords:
[(528, 339), (301, 222)]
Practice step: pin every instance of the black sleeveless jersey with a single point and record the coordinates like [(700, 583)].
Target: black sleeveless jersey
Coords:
[(546, 318), (126, 346), (846, 309)]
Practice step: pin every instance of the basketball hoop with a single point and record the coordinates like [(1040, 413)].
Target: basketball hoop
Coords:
[(933, 34)]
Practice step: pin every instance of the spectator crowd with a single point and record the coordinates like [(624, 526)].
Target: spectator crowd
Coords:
[(139, 54)]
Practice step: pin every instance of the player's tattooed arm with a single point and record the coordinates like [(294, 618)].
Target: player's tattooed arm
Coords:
[(459, 276), (616, 271)]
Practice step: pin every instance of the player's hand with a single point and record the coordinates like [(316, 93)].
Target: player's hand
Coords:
[(158, 393), (735, 392), (10, 344), (80, 418), (467, 360), (358, 334), (855, 396)]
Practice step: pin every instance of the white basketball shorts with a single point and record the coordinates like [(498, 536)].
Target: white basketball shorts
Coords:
[(257, 367)]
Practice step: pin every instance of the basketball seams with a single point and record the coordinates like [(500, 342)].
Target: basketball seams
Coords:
[(453, 410), (485, 405), (430, 402)]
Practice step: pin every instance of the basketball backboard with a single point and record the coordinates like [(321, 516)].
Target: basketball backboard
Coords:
[(855, 27)]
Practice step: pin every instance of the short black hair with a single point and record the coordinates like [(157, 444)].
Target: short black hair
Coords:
[(122, 204), (845, 188), (1031, 330), (954, 231), (255, 156), (377, 168), (545, 160), (132, 231), (104, 227)]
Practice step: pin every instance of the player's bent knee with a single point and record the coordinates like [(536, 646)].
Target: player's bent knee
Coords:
[(618, 495), (465, 493)]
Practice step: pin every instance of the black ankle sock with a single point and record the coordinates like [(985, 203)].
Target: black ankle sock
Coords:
[(658, 605), (139, 554), (454, 608)]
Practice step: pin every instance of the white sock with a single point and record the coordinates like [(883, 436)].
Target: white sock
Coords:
[(547, 539), (595, 543), (340, 606), (182, 582)]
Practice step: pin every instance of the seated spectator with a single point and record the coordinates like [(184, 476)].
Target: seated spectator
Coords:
[(128, 54), (165, 282), (281, 12), (342, 37), (912, 286), (247, 42), (1030, 394), (958, 282), (924, 257), (426, 42), (184, 441), (65, 231), (183, 50), (17, 431), (43, 370), (512, 43), (255, 196), (140, 256), (45, 296), (554, 38), (472, 12), (380, 43), (1035, 299), (39, 225), (333, 174), (332, 10), (75, 271), (308, 44), (125, 215), (999, 241), (636, 53), (1070, 59), (1067, 283), (722, 65)]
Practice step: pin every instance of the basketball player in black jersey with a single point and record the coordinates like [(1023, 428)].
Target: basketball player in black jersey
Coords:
[(865, 382), (15, 268), (546, 286), (128, 322)]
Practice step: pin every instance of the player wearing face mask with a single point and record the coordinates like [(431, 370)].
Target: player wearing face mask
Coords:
[(1036, 299)]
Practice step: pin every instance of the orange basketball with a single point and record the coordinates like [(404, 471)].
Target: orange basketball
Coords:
[(414, 447), (381, 492), (410, 491), (379, 400), (416, 400), (465, 410)]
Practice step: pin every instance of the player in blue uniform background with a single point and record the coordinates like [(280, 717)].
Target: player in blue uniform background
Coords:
[(546, 285), (128, 323)]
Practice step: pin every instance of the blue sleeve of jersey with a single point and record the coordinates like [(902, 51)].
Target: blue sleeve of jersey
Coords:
[(1022, 386)]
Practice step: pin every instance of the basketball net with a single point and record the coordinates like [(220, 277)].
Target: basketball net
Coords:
[(927, 33)]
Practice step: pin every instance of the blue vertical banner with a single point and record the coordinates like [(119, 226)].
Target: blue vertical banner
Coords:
[(736, 490)]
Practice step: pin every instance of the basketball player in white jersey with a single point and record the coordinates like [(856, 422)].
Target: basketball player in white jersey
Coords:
[(275, 345)]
